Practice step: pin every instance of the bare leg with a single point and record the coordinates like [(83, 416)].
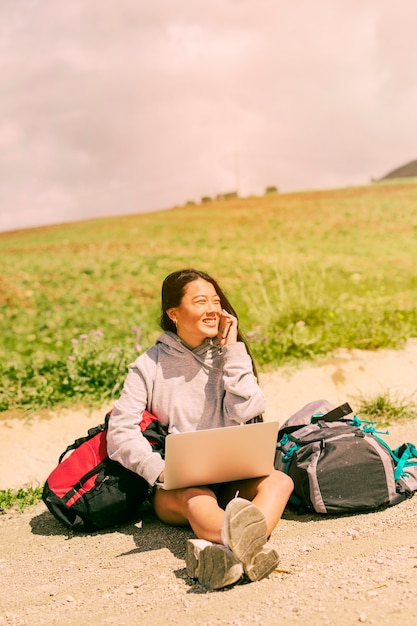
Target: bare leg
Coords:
[(198, 506)]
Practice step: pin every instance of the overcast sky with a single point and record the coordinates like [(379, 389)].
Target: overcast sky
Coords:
[(120, 106)]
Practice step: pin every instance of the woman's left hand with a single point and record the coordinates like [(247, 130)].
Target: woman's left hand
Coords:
[(227, 328)]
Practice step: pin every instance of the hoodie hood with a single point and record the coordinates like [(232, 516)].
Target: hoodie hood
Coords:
[(205, 353)]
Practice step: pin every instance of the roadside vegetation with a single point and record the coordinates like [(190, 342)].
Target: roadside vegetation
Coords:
[(384, 410), (19, 499)]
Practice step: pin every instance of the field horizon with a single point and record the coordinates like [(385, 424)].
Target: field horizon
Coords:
[(206, 201)]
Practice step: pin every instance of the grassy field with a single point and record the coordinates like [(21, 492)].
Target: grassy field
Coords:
[(308, 272)]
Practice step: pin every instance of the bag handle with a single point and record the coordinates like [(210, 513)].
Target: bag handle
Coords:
[(334, 415)]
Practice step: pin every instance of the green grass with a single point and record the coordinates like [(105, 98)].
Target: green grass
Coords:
[(384, 410), (19, 499), (308, 272)]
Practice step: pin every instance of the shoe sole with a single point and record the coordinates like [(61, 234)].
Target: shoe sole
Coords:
[(218, 567), (245, 530)]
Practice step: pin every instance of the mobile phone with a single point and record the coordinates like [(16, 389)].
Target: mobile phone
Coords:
[(226, 329)]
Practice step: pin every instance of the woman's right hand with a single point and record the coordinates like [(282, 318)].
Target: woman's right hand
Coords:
[(227, 328), (161, 477)]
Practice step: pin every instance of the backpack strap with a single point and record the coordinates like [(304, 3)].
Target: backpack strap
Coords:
[(80, 483), (91, 433), (403, 454)]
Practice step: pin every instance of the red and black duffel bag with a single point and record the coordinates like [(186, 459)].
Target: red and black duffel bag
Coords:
[(87, 491)]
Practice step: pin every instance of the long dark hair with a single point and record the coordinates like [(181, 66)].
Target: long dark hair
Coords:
[(173, 289)]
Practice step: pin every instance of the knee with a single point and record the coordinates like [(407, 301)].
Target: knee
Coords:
[(281, 483), (177, 506), (192, 498), (286, 482), (169, 507)]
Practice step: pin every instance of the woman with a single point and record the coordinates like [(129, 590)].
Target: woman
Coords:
[(198, 375)]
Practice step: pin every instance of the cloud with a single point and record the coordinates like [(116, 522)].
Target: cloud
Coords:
[(119, 107)]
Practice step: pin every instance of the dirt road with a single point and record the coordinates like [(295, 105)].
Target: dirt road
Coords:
[(341, 571)]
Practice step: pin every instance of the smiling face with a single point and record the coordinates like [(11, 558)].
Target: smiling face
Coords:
[(198, 315)]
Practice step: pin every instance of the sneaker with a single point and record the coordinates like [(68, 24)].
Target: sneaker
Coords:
[(245, 533), (213, 564)]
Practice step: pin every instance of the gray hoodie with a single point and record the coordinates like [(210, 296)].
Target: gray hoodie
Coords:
[(207, 387)]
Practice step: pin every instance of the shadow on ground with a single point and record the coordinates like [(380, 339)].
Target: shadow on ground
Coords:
[(147, 531)]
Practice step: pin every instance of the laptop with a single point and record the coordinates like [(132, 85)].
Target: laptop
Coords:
[(218, 455)]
